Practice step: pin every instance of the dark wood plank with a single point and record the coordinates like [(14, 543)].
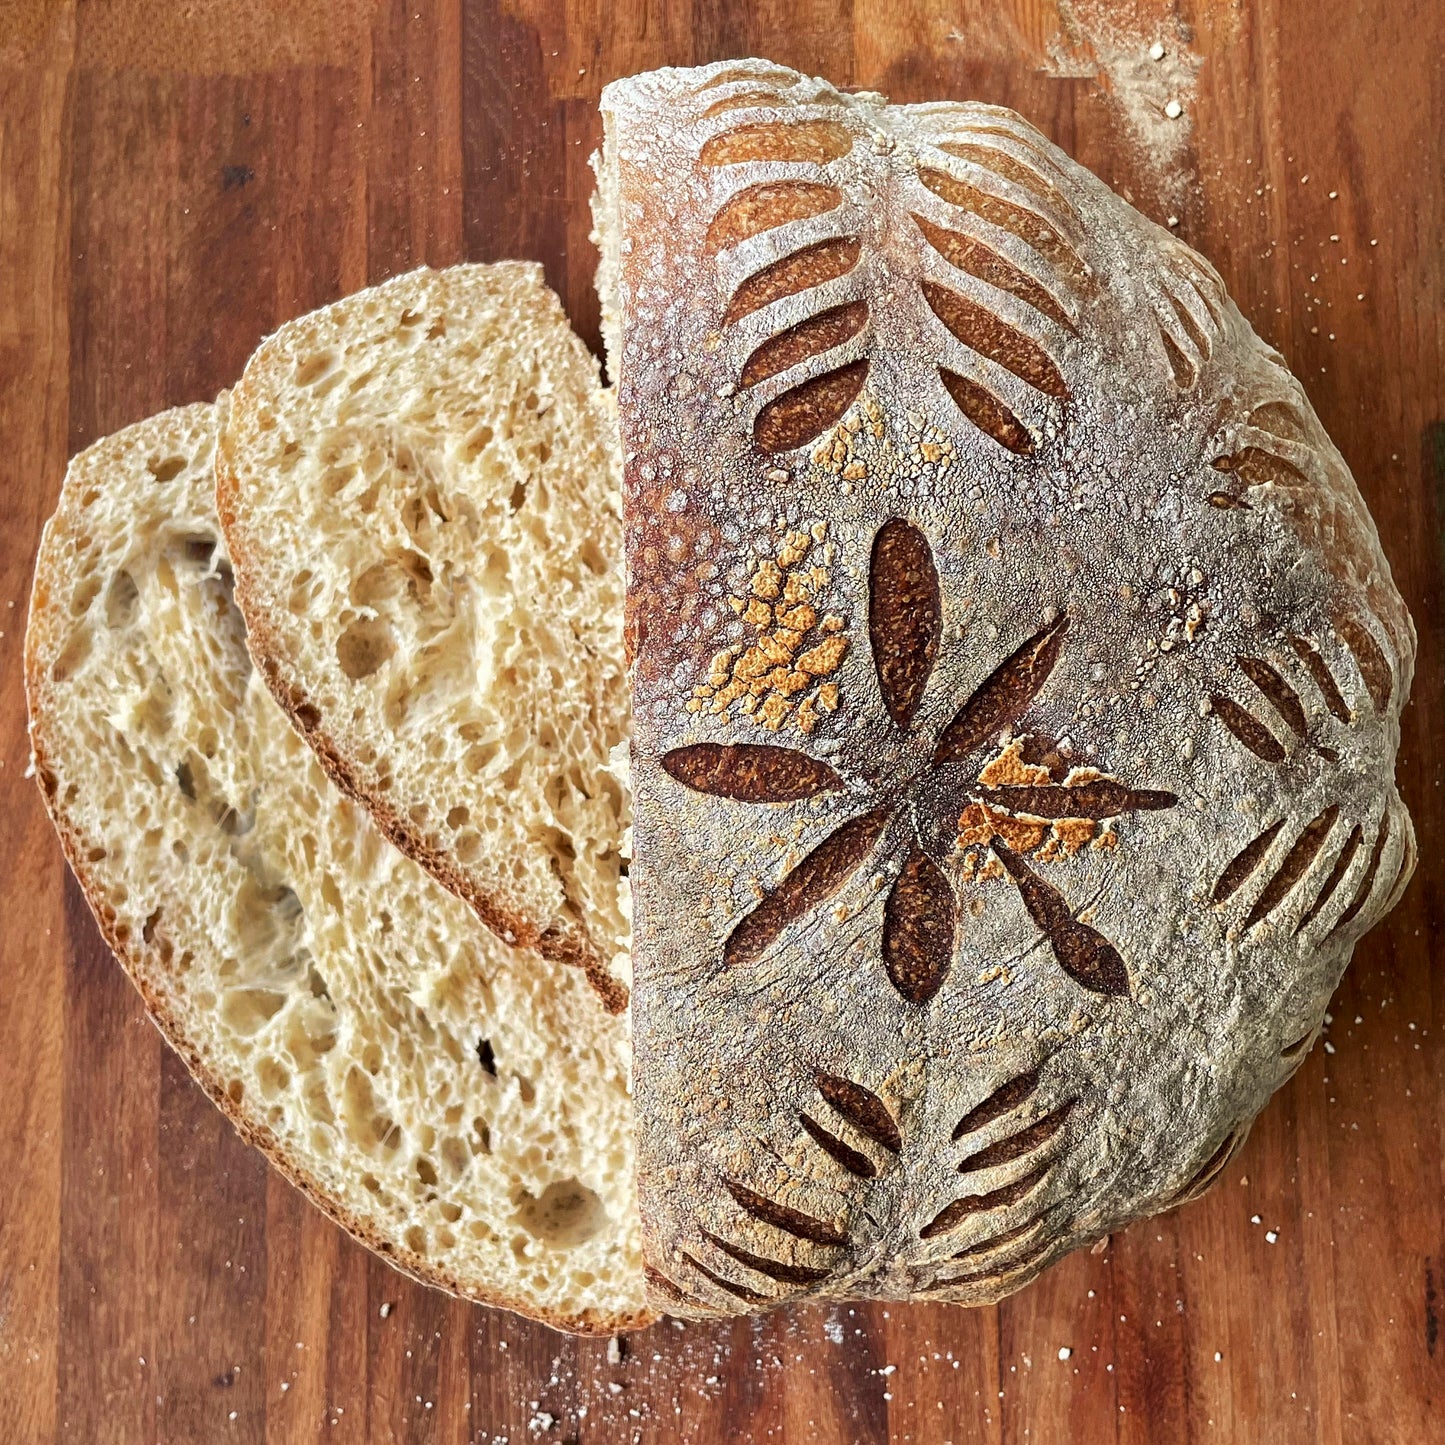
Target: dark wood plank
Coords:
[(174, 182), (317, 1314), (208, 1311), (414, 181), (108, 1213)]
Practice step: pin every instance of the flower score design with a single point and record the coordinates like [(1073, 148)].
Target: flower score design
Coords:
[(926, 810)]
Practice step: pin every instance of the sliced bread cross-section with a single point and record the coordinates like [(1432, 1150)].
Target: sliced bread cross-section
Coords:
[(452, 1102), (420, 492)]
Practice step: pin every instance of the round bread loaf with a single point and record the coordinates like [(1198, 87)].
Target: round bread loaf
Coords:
[(1017, 680)]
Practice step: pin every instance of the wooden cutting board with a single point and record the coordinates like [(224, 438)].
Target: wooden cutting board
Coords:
[(177, 180)]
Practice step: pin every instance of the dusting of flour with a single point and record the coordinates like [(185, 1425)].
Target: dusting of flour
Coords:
[(1148, 72), (1138, 53)]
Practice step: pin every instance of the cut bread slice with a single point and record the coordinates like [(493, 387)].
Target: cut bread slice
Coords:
[(453, 1103), (420, 492)]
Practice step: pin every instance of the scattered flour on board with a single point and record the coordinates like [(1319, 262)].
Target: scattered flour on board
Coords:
[(1139, 53), (1148, 73)]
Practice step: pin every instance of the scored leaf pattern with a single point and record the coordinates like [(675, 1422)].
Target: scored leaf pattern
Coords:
[(918, 927), (952, 1216), (1083, 953), (1275, 732), (863, 1109), (751, 772), (1003, 1100), (995, 1241), (1207, 1172), (1296, 865), (784, 1217), (1004, 695), (1018, 1262), (812, 883), (1007, 200), (857, 1108), (762, 208)]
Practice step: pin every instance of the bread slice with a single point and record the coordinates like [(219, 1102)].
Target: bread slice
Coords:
[(453, 1103), (420, 492)]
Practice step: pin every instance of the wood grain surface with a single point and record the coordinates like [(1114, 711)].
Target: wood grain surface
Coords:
[(175, 180)]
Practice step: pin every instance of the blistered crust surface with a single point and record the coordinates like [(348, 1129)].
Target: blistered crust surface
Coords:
[(1017, 680)]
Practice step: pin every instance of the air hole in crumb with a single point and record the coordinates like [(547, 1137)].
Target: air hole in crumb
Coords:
[(166, 469), (415, 1239), (519, 495), (408, 317), (198, 549), (566, 1214), (459, 816), (454, 1156), (274, 1078), (526, 1089), (247, 1010), (467, 846), (476, 759), (72, 656), (365, 647), (284, 902), (84, 595), (185, 780), (311, 369), (482, 1134), (476, 443), (487, 1057), (121, 601), (437, 329), (426, 1172)]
